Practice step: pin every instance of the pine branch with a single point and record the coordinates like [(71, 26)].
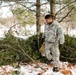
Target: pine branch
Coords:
[(45, 3), (29, 57), (4, 45), (72, 59), (22, 52)]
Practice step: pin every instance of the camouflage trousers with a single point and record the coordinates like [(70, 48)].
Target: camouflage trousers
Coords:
[(52, 52)]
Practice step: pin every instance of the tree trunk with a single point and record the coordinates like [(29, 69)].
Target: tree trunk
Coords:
[(38, 26), (52, 7)]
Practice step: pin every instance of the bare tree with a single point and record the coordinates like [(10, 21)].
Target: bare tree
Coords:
[(38, 25), (52, 7)]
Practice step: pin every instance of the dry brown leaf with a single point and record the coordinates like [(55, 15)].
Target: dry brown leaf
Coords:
[(40, 73), (65, 72)]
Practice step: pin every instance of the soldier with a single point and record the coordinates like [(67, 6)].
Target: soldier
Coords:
[(53, 37)]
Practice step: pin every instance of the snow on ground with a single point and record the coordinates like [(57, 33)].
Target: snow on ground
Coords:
[(33, 69), (6, 70), (3, 30)]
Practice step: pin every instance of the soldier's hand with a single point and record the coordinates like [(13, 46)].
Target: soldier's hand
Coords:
[(42, 48)]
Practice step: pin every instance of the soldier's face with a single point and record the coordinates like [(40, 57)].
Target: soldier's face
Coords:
[(49, 20)]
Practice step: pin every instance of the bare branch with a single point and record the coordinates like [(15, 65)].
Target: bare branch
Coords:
[(65, 6), (16, 24), (72, 14), (66, 15), (27, 2), (11, 0), (26, 7), (45, 3), (30, 57)]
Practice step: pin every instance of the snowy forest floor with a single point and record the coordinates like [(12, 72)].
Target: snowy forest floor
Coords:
[(33, 69)]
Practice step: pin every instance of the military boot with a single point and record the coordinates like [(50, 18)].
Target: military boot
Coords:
[(55, 69)]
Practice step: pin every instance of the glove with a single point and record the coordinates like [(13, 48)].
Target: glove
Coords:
[(42, 48)]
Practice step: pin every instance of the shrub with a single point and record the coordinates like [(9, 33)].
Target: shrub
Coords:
[(12, 49), (68, 51)]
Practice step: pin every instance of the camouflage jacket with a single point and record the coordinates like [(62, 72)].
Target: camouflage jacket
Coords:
[(53, 33)]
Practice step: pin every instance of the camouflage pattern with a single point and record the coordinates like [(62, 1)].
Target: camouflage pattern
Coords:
[(53, 37)]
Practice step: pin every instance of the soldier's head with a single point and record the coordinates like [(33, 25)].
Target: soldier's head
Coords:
[(49, 18)]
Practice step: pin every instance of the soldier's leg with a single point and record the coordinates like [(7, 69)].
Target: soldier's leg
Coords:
[(47, 51), (55, 55)]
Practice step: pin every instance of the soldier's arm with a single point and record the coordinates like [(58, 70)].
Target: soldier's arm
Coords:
[(60, 35)]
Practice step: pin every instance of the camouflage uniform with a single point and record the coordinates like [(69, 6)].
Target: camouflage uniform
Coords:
[(53, 37)]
